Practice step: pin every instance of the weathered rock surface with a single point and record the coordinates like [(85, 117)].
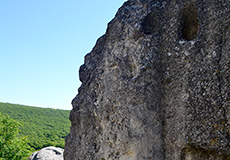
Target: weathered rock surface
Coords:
[(157, 85), (48, 153)]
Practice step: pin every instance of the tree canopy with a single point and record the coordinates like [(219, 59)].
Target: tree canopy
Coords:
[(42, 126), (12, 145)]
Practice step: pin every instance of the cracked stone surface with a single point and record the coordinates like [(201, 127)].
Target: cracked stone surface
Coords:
[(156, 86)]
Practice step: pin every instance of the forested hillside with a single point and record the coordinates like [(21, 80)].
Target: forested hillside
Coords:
[(43, 126)]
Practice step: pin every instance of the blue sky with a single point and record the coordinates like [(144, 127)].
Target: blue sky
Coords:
[(42, 45)]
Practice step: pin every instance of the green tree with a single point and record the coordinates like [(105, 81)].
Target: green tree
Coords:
[(12, 146)]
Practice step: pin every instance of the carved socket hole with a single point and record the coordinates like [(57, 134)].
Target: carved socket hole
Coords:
[(150, 23), (189, 22), (192, 153)]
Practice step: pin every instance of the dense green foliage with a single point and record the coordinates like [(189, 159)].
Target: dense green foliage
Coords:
[(43, 126), (12, 145)]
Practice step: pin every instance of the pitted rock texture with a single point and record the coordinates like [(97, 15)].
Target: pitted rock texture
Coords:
[(156, 86)]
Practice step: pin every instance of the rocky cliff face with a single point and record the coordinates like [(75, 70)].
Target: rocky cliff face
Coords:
[(156, 86)]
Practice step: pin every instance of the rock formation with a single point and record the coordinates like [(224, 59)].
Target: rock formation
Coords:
[(156, 86), (48, 153)]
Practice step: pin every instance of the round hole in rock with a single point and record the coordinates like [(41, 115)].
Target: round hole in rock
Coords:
[(150, 24), (189, 22)]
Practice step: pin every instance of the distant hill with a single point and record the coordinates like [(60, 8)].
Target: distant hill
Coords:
[(42, 126)]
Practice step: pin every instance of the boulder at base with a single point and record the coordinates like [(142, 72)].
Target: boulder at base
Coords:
[(48, 153)]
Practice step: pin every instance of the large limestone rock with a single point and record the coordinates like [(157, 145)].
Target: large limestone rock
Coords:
[(157, 85), (48, 153)]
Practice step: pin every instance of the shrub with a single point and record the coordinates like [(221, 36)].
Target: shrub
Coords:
[(12, 146)]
